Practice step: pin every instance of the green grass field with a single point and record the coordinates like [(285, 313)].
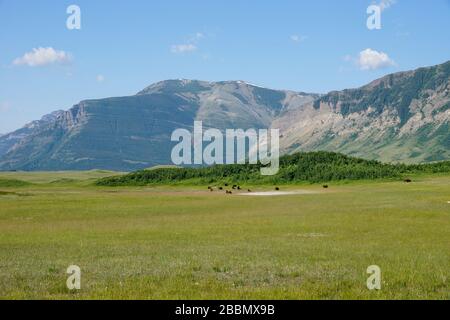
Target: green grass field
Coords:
[(187, 243)]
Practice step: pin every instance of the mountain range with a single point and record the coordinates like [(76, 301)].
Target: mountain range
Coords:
[(402, 117)]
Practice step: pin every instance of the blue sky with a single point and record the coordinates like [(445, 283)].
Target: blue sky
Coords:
[(123, 46)]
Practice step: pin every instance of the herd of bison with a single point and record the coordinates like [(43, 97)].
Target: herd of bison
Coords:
[(239, 188)]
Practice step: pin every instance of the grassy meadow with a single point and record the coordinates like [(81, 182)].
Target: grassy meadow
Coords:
[(184, 242)]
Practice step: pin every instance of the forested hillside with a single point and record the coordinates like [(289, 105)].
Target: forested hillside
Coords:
[(300, 167)]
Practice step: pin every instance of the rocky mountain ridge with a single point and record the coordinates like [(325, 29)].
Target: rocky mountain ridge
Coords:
[(402, 117)]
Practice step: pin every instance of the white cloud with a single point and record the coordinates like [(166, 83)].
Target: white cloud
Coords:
[(370, 59), (190, 45), (42, 57), (183, 48), (298, 38), (386, 4), (197, 37), (100, 78)]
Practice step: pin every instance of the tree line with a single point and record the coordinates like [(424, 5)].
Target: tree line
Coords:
[(314, 167)]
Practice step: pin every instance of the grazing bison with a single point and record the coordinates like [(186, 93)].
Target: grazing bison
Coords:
[(249, 190), (325, 186), (226, 184), (239, 188), (277, 189), (220, 188), (408, 180), (229, 192)]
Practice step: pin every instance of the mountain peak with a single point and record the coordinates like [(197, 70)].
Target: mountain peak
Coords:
[(174, 85), (193, 86)]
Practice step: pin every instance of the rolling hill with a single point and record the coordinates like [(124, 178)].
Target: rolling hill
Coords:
[(311, 167)]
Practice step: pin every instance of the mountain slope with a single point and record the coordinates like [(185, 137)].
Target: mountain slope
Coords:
[(401, 117), (7, 141), (130, 133)]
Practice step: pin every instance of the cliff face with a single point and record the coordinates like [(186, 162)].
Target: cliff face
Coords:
[(401, 117)]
